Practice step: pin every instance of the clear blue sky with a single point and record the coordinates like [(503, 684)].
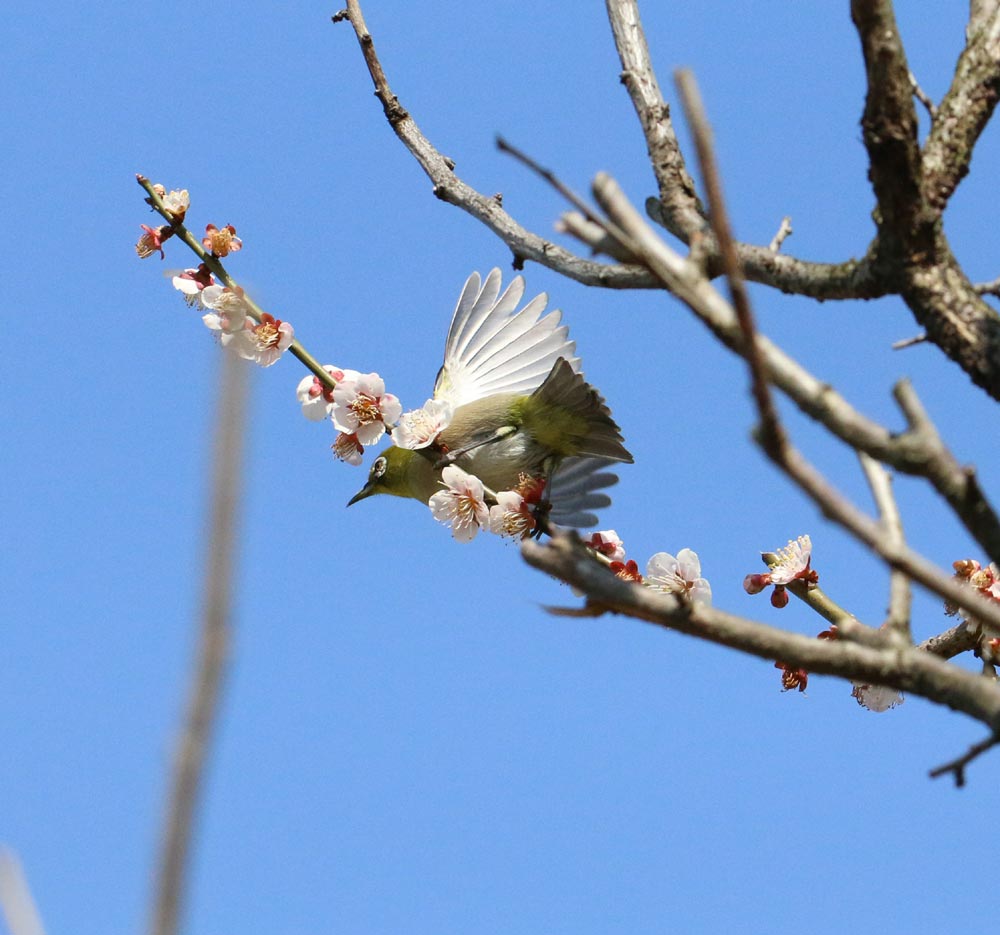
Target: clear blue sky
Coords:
[(409, 744)]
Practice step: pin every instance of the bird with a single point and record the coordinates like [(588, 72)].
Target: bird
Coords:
[(519, 406)]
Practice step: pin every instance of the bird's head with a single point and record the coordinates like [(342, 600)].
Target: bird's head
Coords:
[(390, 473)]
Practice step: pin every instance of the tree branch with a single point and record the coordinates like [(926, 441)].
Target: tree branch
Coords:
[(910, 670), (917, 451), (209, 667), (964, 112)]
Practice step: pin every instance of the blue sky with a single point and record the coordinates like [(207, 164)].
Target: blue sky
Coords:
[(409, 744)]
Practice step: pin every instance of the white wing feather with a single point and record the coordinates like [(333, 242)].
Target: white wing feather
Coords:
[(493, 348)]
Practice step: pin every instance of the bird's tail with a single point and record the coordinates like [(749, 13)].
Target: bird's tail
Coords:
[(569, 416)]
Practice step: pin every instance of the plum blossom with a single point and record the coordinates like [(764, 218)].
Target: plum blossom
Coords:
[(227, 311), (419, 427), (987, 582), (876, 697), (792, 679), (680, 576), (152, 240), (348, 448), (461, 504), (792, 563), (609, 544), (512, 516), (191, 283), (362, 407), (265, 342), (315, 397), (221, 242), (176, 202), (627, 571)]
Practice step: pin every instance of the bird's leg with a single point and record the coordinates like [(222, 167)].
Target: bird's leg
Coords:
[(543, 505), (499, 435)]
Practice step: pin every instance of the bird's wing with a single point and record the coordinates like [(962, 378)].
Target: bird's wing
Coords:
[(575, 488), (494, 348)]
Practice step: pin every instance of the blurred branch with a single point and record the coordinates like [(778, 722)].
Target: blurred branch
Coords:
[(16, 902), (900, 598), (209, 666)]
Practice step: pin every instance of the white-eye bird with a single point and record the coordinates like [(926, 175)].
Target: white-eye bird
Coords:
[(520, 406)]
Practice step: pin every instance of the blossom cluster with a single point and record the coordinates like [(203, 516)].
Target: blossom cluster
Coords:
[(680, 575), (987, 582)]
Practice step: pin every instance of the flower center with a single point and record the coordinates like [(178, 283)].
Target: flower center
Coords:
[(366, 410), (267, 335)]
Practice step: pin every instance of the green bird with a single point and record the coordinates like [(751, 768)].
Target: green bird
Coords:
[(517, 404)]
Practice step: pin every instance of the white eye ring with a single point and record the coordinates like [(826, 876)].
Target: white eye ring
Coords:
[(378, 468)]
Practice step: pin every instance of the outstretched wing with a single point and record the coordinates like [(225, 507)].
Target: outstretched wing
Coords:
[(494, 348), (576, 487)]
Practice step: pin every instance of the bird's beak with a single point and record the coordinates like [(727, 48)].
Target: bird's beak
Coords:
[(362, 494)]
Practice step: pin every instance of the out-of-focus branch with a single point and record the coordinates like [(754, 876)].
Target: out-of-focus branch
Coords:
[(911, 670), (209, 666), (16, 903), (900, 599)]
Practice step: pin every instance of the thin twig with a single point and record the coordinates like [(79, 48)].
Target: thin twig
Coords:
[(784, 231), (909, 342), (16, 903), (209, 666), (919, 94), (988, 288), (549, 176), (897, 619), (957, 766)]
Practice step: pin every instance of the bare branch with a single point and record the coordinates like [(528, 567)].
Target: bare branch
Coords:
[(951, 643), (900, 600), (906, 224), (677, 208), (909, 342), (524, 244), (919, 94), (988, 288), (911, 670), (682, 212), (957, 766), (209, 667), (965, 109), (914, 452), (784, 231)]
